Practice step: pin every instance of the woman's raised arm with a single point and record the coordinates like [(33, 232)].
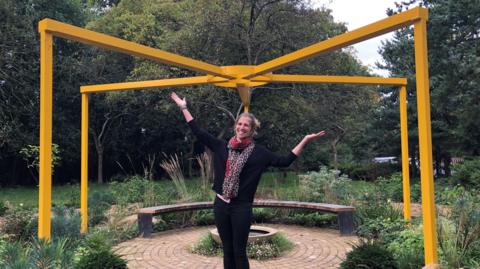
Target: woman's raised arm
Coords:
[(298, 148), (182, 104)]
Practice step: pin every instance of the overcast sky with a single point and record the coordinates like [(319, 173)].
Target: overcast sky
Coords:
[(355, 14)]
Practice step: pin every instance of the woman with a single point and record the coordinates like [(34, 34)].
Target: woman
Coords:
[(238, 166)]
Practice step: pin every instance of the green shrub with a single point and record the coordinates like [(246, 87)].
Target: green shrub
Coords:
[(407, 248), (204, 217), (98, 203), (384, 230), (376, 210), (392, 187), (263, 215), (3, 208), (18, 223), (369, 254), (314, 219), (325, 186), (65, 223), (448, 195), (468, 173), (268, 249), (132, 190), (37, 254), (459, 234), (370, 171), (207, 246), (96, 252)]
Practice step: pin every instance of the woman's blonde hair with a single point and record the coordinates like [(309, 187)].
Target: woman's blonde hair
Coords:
[(253, 121)]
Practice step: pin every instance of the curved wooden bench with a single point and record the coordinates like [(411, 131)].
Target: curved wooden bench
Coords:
[(344, 213)]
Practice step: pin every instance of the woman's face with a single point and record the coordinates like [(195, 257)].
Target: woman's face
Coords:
[(243, 129)]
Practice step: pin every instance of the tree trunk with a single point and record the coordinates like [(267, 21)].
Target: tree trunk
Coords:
[(333, 146), (100, 164)]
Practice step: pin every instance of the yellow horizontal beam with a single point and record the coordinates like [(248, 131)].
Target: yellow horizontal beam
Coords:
[(366, 32), (71, 32), (162, 83), (331, 79)]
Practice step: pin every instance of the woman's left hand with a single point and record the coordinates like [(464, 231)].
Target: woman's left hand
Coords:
[(314, 136)]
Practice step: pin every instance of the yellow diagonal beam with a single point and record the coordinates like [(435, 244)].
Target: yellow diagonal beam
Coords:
[(330, 79), (71, 32), (162, 83), (367, 32)]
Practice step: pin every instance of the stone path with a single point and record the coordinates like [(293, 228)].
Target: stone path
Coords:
[(314, 248)]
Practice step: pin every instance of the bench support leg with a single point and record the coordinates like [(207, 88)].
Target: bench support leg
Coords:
[(345, 222), (145, 224)]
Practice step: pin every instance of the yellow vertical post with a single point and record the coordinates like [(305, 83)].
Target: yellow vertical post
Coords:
[(244, 92), (425, 142), (84, 165), (45, 158), (402, 98)]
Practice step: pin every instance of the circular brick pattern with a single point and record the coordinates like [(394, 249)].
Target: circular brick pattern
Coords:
[(314, 248)]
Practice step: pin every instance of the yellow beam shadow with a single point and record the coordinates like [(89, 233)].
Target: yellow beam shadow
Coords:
[(162, 83), (71, 32), (366, 32), (331, 79)]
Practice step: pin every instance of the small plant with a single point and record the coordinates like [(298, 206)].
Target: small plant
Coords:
[(66, 224), (132, 190), (272, 248), (3, 208), (31, 154), (459, 234), (207, 246), (172, 166), (17, 224), (96, 252), (205, 163), (99, 203), (468, 173), (325, 186), (369, 254), (37, 254), (407, 248)]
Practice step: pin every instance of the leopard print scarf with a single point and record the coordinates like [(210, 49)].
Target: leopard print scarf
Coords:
[(235, 162)]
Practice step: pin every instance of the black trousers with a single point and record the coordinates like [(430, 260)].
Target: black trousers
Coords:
[(233, 222)]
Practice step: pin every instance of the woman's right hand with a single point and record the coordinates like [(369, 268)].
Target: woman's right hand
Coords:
[(181, 103)]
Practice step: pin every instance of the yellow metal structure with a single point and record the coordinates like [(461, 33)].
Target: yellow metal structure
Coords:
[(402, 99), (243, 78), (84, 165)]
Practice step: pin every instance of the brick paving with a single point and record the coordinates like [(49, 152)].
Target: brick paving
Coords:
[(314, 248)]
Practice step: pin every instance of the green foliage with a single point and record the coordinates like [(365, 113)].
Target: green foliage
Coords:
[(207, 246), (407, 248), (368, 171), (172, 166), (37, 254), (384, 230), (18, 224), (131, 190), (99, 202), (65, 223), (448, 195), (272, 248), (391, 188), (459, 234), (325, 186), (3, 208), (369, 254), (467, 173), (96, 252)]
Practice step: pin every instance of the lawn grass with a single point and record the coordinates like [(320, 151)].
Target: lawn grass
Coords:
[(28, 196), (273, 185)]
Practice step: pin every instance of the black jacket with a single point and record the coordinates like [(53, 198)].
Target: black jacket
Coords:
[(259, 160)]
